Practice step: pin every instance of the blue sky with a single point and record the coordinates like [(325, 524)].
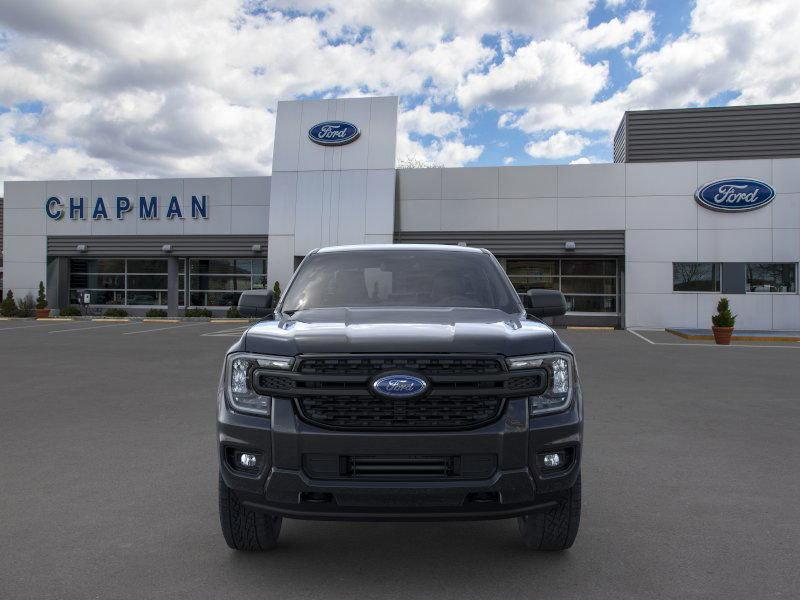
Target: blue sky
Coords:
[(160, 88)]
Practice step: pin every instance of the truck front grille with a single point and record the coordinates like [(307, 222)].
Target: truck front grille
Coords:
[(366, 412), (334, 391)]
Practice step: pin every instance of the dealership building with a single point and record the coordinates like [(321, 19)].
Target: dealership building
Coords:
[(699, 203)]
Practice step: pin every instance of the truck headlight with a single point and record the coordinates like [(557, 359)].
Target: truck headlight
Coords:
[(560, 381), (239, 368)]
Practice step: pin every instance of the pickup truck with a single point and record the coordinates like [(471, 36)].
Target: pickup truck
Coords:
[(405, 383)]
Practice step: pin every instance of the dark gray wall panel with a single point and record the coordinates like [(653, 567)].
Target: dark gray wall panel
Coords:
[(733, 278), (150, 245), (518, 243), (720, 133)]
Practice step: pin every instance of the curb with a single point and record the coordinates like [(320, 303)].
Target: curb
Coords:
[(735, 338)]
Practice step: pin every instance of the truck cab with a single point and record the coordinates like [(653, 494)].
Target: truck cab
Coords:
[(403, 383)]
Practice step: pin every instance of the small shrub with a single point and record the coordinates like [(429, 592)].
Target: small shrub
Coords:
[(71, 311), (276, 293), (115, 312), (233, 313), (156, 312), (197, 312), (8, 308), (724, 316), (25, 306), (41, 298)]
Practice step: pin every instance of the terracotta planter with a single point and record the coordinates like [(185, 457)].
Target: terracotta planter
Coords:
[(722, 335), (42, 313)]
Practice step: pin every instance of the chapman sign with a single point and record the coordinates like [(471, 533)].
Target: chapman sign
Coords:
[(735, 195), (333, 133), (147, 208)]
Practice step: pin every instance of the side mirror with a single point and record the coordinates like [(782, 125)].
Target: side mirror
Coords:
[(545, 303), (256, 303)]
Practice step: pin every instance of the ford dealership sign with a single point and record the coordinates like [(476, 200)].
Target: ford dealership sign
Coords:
[(333, 133), (735, 195)]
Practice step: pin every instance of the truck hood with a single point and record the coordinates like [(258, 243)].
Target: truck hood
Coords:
[(416, 330)]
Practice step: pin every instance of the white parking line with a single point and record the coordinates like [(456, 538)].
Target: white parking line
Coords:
[(690, 345), (88, 328), (162, 328), (641, 337)]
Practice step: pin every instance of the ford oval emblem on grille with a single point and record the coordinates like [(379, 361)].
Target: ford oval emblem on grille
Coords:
[(399, 386)]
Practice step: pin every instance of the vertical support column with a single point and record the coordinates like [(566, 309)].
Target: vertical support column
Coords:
[(172, 286), (62, 288)]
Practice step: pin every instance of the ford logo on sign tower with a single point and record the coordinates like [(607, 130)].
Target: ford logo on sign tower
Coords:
[(735, 195), (333, 133), (399, 386)]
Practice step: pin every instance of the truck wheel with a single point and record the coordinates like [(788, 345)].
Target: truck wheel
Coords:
[(243, 528), (555, 528)]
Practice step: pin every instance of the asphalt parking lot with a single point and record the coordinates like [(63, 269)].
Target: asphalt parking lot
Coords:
[(691, 480)]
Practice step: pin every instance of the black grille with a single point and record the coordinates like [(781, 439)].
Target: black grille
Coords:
[(366, 412), (464, 391), (426, 365)]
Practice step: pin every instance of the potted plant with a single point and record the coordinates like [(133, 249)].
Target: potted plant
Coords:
[(723, 322), (42, 312)]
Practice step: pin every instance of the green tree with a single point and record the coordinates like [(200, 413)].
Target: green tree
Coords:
[(41, 299), (8, 307), (276, 293), (724, 316)]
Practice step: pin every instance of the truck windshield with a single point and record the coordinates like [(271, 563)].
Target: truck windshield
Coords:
[(397, 278)]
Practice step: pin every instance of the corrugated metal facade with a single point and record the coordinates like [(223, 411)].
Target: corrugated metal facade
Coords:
[(525, 243), (151, 245), (725, 133)]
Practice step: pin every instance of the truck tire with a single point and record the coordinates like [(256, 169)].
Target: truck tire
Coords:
[(244, 528), (555, 528)]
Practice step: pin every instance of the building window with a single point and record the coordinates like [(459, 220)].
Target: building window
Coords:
[(772, 277), (696, 277), (589, 285), (220, 281), (123, 282)]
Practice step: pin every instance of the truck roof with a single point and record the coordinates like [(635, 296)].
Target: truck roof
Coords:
[(400, 248)]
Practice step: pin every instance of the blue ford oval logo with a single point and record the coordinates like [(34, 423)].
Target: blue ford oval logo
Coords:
[(399, 386), (333, 133), (735, 195)]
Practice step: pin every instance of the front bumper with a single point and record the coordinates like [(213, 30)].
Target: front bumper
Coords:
[(300, 477)]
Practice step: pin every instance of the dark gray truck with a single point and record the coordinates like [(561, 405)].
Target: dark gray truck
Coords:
[(405, 383)]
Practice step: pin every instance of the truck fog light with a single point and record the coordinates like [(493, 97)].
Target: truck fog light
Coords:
[(555, 460), (551, 460), (248, 461), (240, 460)]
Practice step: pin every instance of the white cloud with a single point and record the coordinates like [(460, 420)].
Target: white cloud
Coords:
[(539, 72), (423, 120), (618, 32), (581, 161), (559, 145), (509, 160), (447, 153)]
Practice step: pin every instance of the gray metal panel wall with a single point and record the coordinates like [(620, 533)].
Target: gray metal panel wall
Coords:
[(150, 245), (723, 133), (734, 278), (518, 243), (620, 138)]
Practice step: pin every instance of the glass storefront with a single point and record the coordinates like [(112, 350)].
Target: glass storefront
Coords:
[(122, 282), (589, 285), (213, 282), (220, 281)]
